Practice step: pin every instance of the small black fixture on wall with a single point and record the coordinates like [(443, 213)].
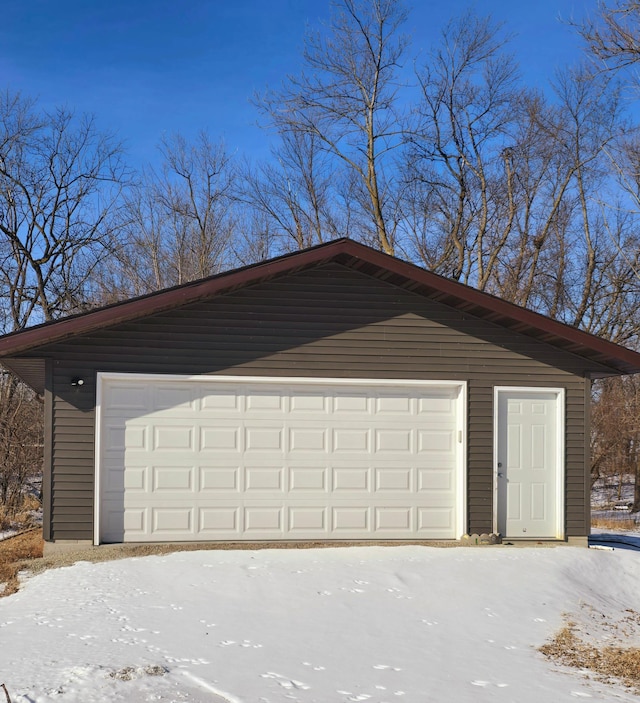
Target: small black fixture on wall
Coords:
[(76, 381)]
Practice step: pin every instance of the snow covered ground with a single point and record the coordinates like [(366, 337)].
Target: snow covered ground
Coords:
[(392, 625)]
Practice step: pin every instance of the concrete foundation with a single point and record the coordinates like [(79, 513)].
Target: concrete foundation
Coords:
[(65, 545)]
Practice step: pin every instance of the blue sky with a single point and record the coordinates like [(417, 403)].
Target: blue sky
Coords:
[(147, 68)]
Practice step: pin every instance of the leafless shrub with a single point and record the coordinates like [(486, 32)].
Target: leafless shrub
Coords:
[(21, 446)]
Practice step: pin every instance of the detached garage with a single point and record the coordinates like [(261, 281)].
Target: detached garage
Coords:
[(331, 394)]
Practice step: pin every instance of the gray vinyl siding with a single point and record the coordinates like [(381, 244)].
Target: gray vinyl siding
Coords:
[(330, 321)]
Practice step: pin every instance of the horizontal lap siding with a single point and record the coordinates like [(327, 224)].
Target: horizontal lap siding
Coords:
[(332, 322)]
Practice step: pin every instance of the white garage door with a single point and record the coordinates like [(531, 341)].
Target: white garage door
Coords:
[(264, 459)]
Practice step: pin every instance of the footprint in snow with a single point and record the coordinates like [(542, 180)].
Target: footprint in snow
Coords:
[(539, 620), (382, 667), (430, 622), (580, 694), (286, 682), (483, 684), (315, 668)]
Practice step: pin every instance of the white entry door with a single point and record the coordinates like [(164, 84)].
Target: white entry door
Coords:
[(529, 463)]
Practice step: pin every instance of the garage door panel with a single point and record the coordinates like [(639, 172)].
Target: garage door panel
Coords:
[(351, 440), (134, 479), (349, 403), (354, 518), (173, 437), (236, 460), (435, 440), (396, 441), (257, 401), (438, 405), (309, 519), (435, 480), (264, 480), (303, 404), (178, 398), (308, 439), (394, 479), (394, 405), (219, 522), (173, 479), (115, 436), (260, 438), (351, 480), (219, 479), (135, 521), (221, 438), (435, 520), (261, 519), (226, 400), (398, 519), (307, 480), (176, 520), (119, 397)]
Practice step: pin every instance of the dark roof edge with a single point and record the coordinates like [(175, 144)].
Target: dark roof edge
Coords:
[(57, 330), (512, 311), (165, 299)]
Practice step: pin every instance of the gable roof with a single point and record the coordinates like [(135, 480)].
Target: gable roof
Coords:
[(615, 358)]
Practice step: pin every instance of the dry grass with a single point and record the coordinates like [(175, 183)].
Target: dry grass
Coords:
[(624, 522), (608, 662), (23, 515), (15, 555)]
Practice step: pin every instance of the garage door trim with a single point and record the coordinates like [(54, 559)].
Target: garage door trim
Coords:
[(103, 378)]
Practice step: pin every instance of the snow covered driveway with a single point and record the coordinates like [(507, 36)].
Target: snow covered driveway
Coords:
[(393, 625)]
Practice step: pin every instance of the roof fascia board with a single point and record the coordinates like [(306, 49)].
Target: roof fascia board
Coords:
[(160, 301), (503, 308), (127, 310)]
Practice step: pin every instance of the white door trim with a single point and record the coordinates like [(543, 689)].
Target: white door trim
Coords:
[(102, 378), (560, 450)]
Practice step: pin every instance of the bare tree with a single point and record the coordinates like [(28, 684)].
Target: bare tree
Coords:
[(613, 36), (615, 433), (179, 221), (60, 184), (61, 181), (346, 100), (295, 192), (21, 444), (460, 179)]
